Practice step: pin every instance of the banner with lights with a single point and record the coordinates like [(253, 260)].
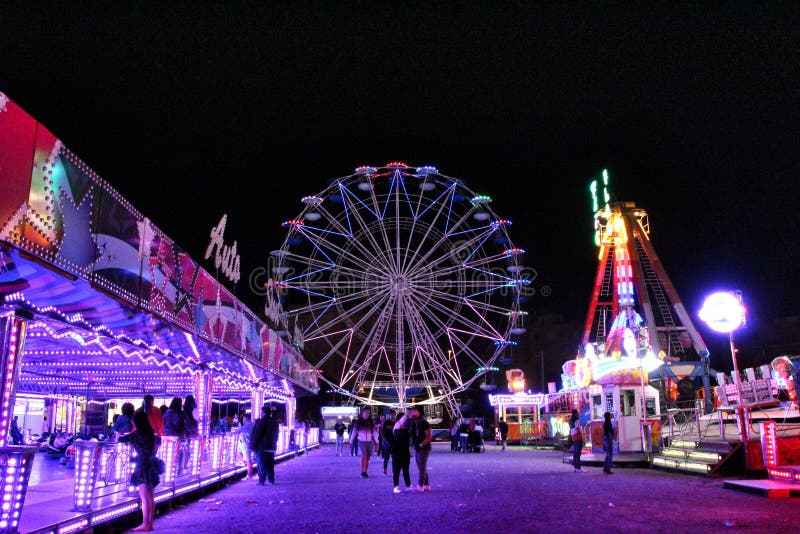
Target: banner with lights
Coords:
[(58, 210), (521, 398)]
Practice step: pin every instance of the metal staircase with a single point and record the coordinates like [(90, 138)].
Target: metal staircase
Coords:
[(708, 458), (655, 288), (606, 295)]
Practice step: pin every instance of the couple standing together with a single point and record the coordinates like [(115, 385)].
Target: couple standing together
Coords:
[(410, 428)]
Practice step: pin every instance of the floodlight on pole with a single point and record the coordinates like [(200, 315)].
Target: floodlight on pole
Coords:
[(723, 312)]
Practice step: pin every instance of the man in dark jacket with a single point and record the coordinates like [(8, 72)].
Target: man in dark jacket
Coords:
[(263, 442), (503, 428)]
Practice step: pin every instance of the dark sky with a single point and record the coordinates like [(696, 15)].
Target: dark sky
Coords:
[(194, 111)]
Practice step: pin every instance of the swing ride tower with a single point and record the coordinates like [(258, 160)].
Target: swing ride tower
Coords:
[(634, 307)]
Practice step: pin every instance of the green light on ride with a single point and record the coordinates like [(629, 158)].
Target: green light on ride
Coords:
[(480, 199)]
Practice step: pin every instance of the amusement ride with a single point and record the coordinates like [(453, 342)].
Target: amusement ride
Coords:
[(401, 284)]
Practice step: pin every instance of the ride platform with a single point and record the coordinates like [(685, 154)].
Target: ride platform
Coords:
[(773, 489), (619, 460)]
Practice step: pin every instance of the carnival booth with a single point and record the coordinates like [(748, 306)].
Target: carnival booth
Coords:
[(617, 382), (522, 412), (332, 414)]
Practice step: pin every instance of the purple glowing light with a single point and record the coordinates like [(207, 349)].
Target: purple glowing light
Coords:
[(723, 312)]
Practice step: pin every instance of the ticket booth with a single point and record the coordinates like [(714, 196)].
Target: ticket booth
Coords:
[(626, 407)]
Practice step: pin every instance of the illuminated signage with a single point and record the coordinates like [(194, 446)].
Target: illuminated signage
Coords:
[(225, 257), (339, 410), (517, 398)]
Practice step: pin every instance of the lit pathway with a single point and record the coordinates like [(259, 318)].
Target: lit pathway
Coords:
[(517, 491)]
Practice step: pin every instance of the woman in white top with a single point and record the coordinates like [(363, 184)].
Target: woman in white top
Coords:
[(365, 432)]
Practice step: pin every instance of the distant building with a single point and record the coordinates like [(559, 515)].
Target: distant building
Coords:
[(549, 341)]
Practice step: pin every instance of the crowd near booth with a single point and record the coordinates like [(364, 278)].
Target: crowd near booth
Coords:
[(98, 308)]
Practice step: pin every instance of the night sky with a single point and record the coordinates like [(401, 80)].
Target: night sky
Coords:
[(194, 111)]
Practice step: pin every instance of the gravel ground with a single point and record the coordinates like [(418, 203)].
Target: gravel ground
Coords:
[(520, 490)]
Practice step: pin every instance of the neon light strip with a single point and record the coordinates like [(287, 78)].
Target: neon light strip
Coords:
[(15, 330), (68, 528)]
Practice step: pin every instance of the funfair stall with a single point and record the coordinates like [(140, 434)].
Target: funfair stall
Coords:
[(522, 412), (618, 384), (330, 416), (98, 306)]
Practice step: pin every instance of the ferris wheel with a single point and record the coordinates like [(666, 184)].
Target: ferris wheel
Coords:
[(402, 285)]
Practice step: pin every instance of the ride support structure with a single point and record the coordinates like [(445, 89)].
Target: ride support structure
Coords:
[(631, 278)]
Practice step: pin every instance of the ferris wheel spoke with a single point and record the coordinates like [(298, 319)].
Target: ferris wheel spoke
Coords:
[(426, 263), (356, 214), (445, 311), (334, 322), (332, 220), (407, 262), (384, 236), (341, 231), (376, 336), (334, 348), (318, 241), (355, 201), (399, 181), (464, 217), (451, 362), (310, 262), (441, 281), (325, 306), (496, 259), (426, 338), (415, 214), (461, 345)]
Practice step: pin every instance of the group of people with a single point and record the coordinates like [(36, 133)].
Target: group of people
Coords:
[(576, 436), (143, 429), (466, 436), (178, 419), (393, 436)]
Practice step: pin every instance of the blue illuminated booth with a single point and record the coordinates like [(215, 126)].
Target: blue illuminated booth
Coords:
[(99, 307)]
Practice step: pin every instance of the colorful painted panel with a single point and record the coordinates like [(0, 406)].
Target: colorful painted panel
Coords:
[(17, 132)]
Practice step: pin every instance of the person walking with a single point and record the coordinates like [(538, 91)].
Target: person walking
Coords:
[(339, 428), (576, 435), (146, 471), (379, 420), (503, 428), (401, 455), (243, 444), (608, 441), (454, 435), (264, 440), (353, 442), (364, 432), (421, 437), (387, 438)]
